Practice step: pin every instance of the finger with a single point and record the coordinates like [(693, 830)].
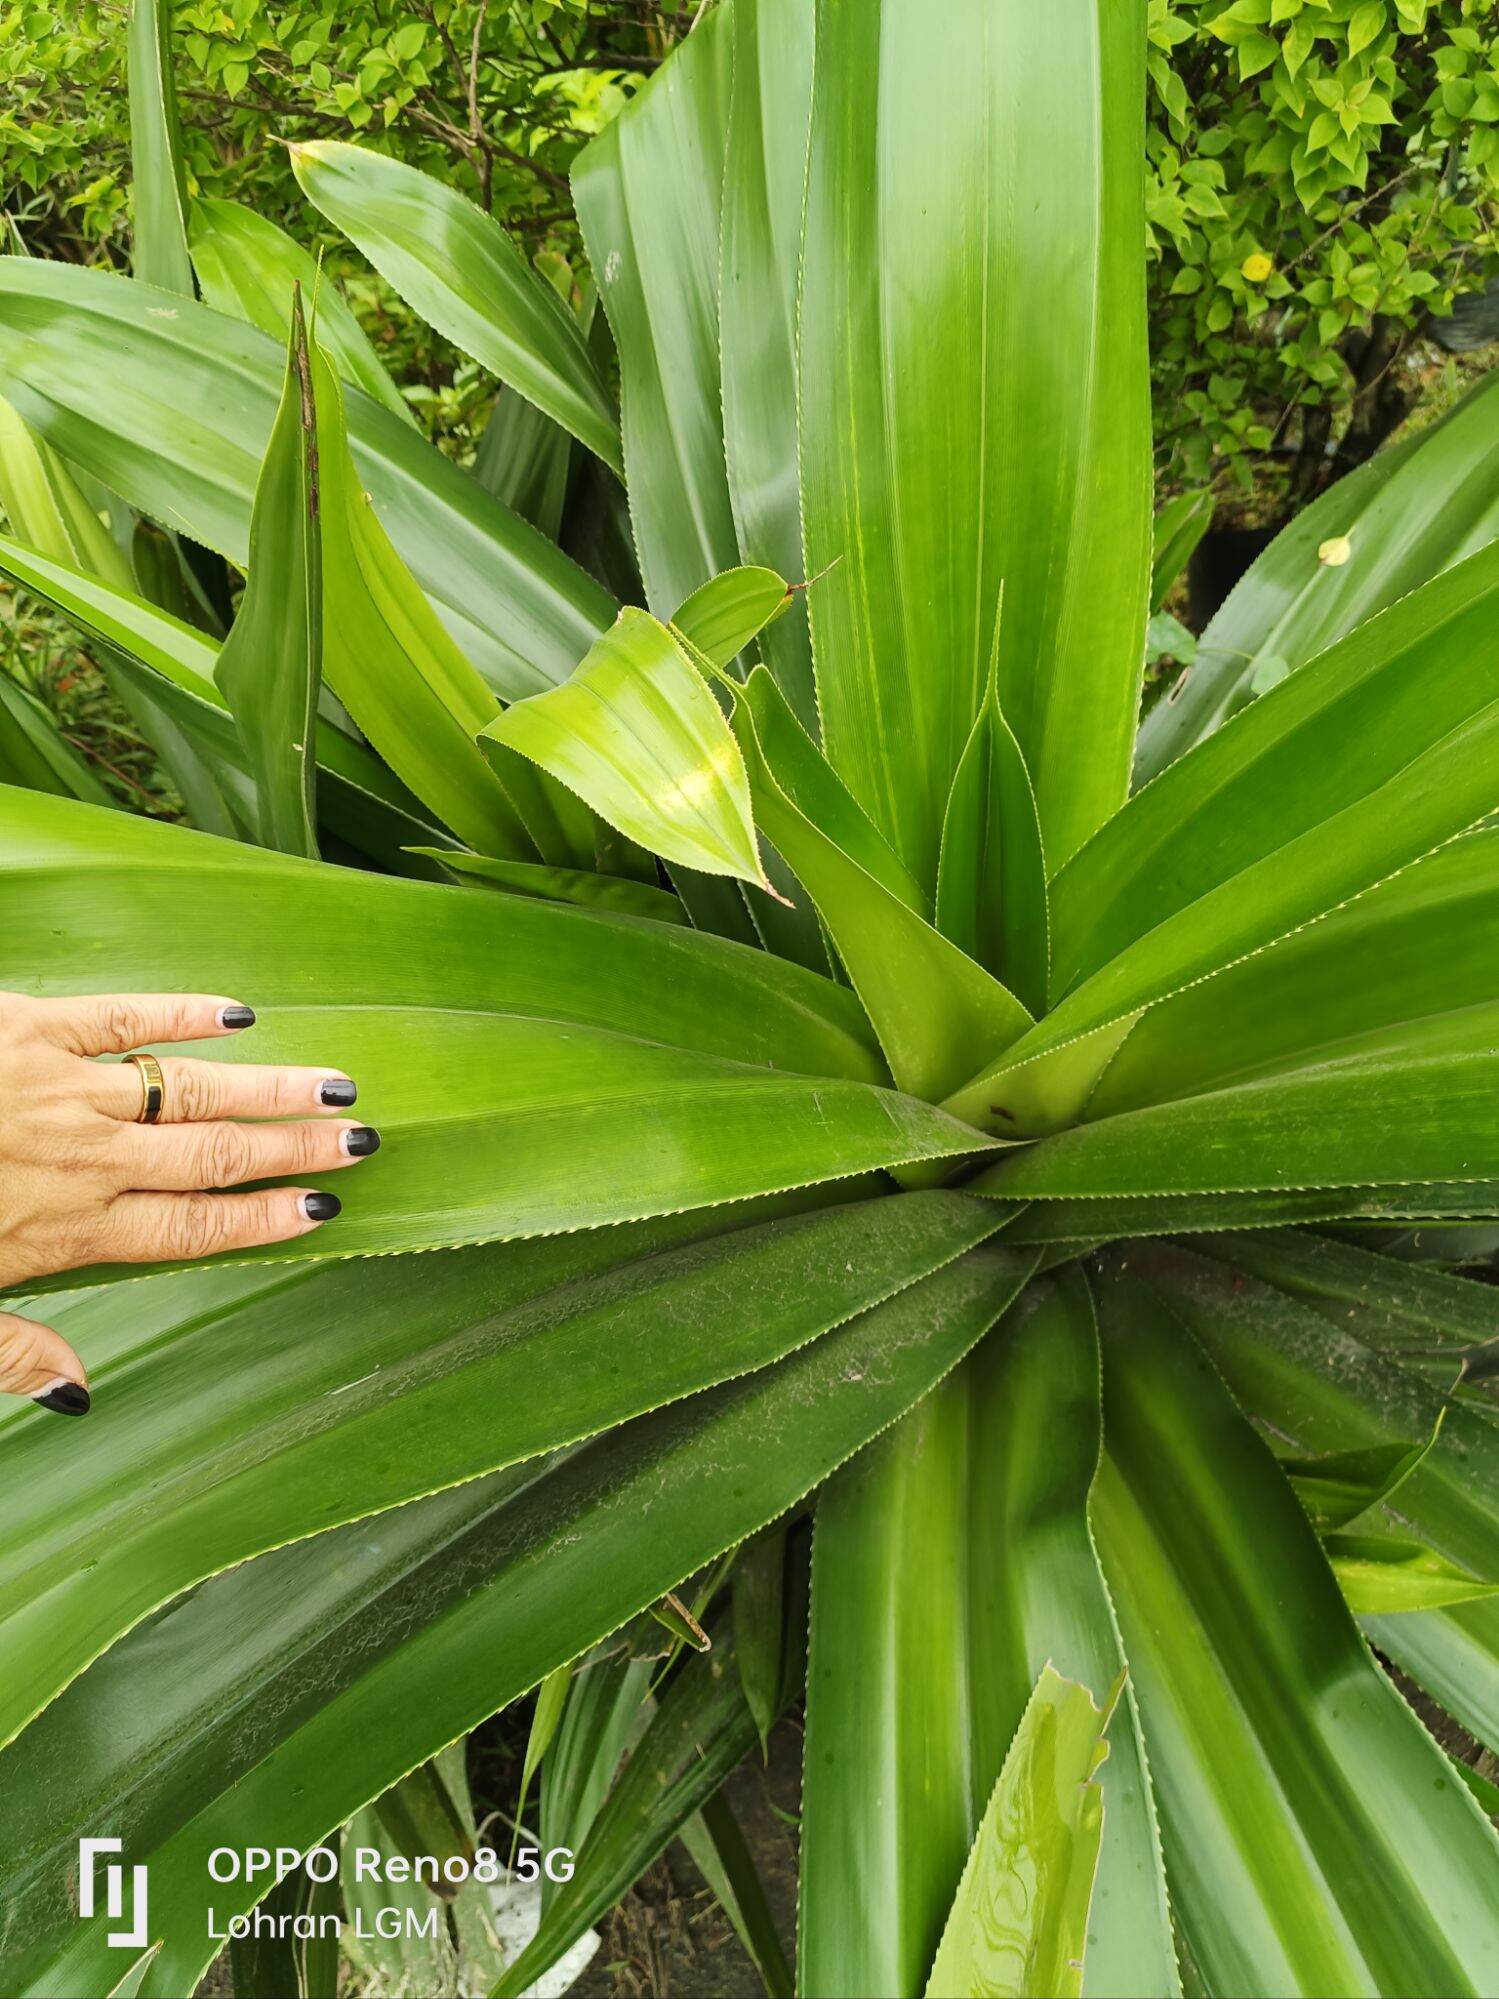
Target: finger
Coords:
[(114, 1023), (189, 1157), (37, 1362), (198, 1092), (167, 1228)]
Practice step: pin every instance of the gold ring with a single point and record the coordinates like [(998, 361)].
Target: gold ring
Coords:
[(153, 1088)]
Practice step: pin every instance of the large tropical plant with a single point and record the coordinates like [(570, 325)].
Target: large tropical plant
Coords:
[(819, 1086)]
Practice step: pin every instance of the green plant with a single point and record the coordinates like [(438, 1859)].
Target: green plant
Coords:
[(817, 1085), (1321, 178)]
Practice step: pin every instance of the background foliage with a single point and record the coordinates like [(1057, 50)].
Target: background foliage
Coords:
[(496, 98), (1322, 176), (1322, 182)]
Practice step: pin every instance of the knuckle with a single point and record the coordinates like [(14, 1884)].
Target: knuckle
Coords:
[(195, 1092), (224, 1156), (124, 1022), (308, 1147), (199, 1226), (271, 1217)]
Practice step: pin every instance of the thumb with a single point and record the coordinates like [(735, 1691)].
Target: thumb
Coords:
[(37, 1362)]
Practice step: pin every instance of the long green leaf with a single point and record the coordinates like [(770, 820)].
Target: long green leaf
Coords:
[(951, 1562), (523, 457), (1348, 771), (421, 1373), (540, 1028), (420, 1816), (760, 1577), (390, 660), (1411, 949), (725, 614), (607, 1704), (1019, 1921), (1338, 1487), (1415, 509), (972, 380), (1324, 762), (1314, 1841), (764, 176), (48, 509), (457, 268), (1308, 1332), (647, 192), (276, 1700), (1089, 1220), (271, 665), (179, 428), (1381, 1577), (248, 267), (1408, 1104), (160, 243)]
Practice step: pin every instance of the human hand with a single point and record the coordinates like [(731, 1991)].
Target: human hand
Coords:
[(83, 1181)]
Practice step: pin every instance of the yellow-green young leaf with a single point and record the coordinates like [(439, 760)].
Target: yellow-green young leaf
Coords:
[(1019, 1921), (270, 667), (46, 510), (390, 660), (576, 885), (637, 734), (1378, 1576), (722, 615), (247, 267)]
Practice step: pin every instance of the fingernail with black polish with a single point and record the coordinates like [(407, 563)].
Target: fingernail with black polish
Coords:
[(361, 1141), (337, 1093), (68, 1398), (236, 1016), (321, 1207)]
